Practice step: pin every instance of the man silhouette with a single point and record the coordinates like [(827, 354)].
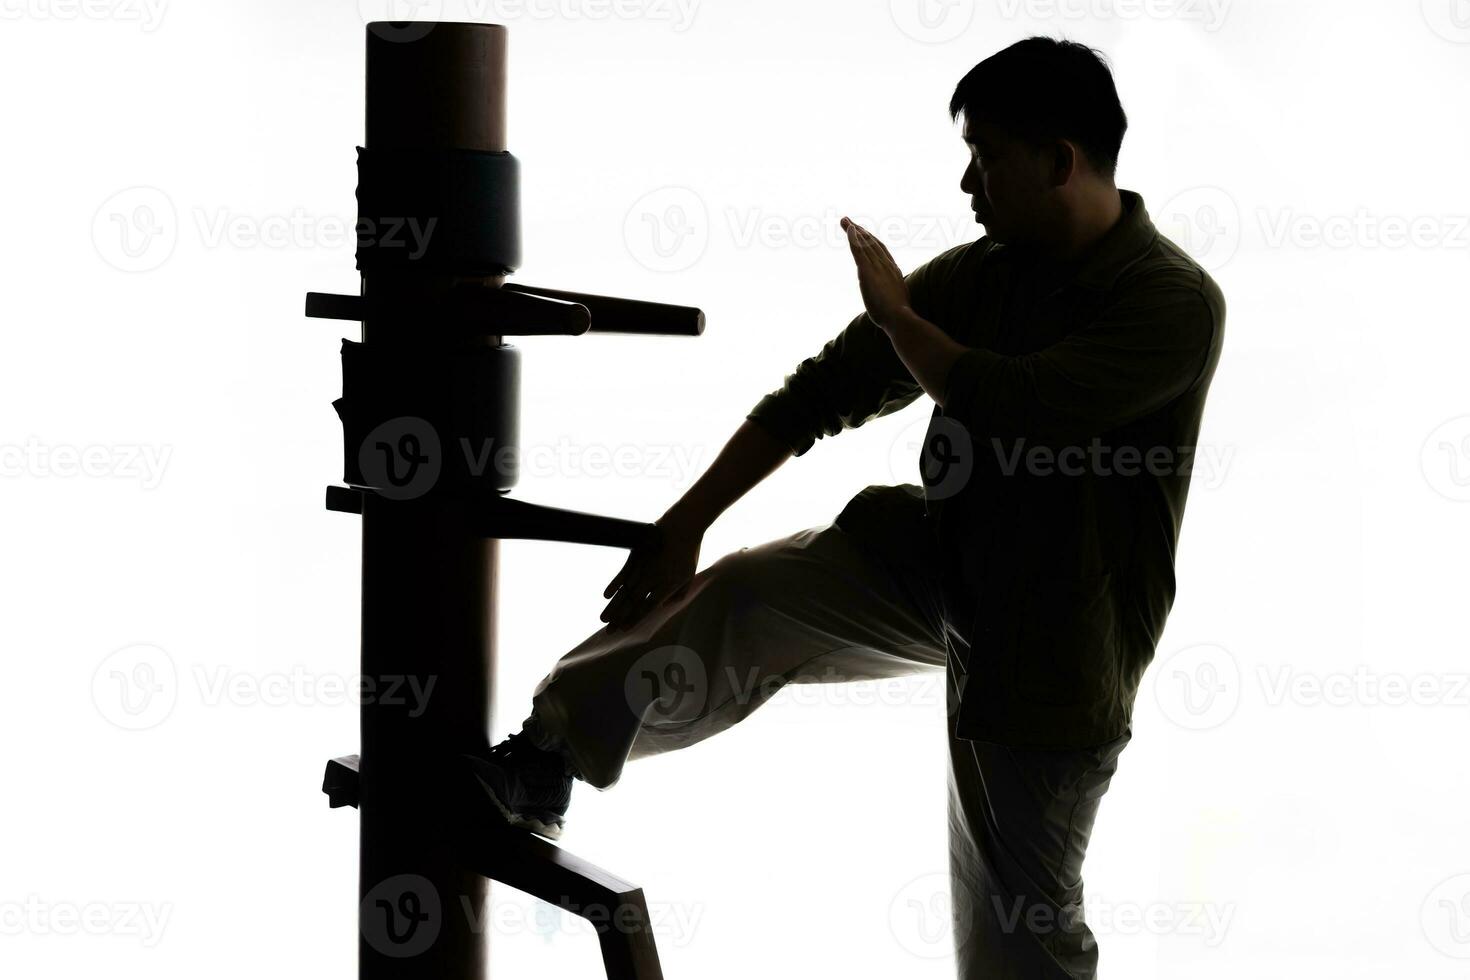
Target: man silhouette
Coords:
[(1068, 352)]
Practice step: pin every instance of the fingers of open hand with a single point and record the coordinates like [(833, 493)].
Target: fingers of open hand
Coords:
[(639, 588), (856, 241), (870, 254), (873, 246), (619, 579), (620, 589), (633, 602)]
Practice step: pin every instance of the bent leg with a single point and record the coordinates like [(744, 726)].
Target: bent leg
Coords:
[(815, 606)]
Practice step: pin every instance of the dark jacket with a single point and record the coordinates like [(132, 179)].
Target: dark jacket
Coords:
[(1054, 474)]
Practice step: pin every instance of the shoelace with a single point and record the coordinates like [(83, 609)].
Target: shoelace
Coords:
[(517, 743), (519, 748)]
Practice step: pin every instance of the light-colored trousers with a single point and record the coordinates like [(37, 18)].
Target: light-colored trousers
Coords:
[(825, 605)]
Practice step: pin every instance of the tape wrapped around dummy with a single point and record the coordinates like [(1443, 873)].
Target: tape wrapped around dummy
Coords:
[(420, 422), (446, 210)]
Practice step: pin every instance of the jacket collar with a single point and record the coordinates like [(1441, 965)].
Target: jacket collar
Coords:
[(1124, 244)]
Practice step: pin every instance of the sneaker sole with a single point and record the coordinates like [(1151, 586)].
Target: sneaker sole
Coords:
[(546, 828)]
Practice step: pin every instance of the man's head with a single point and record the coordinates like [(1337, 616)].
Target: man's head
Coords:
[(1044, 126)]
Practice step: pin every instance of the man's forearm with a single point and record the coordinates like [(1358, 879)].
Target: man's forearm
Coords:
[(927, 351), (750, 455)]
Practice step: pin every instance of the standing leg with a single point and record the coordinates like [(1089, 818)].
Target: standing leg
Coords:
[(1019, 824)]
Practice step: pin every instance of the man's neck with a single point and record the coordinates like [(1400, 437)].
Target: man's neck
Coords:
[(1050, 265), (1096, 215)]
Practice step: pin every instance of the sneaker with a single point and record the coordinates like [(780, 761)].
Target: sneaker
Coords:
[(530, 786)]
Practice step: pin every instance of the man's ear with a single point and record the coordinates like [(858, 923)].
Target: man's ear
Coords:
[(1064, 163)]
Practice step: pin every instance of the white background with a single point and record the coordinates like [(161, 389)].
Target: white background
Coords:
[(1293, 803)]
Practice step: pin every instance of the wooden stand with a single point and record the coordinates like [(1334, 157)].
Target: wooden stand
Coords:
[(429, 845)]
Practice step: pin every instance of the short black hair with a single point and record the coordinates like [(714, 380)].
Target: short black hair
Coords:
[(1043, 88)]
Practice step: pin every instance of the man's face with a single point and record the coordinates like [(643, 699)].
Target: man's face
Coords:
[(1005, 181)]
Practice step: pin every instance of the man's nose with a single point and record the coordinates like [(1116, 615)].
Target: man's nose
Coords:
[(968, 182)]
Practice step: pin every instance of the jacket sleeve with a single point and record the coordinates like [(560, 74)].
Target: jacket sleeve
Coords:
[(856, 377), (1147, 346)]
